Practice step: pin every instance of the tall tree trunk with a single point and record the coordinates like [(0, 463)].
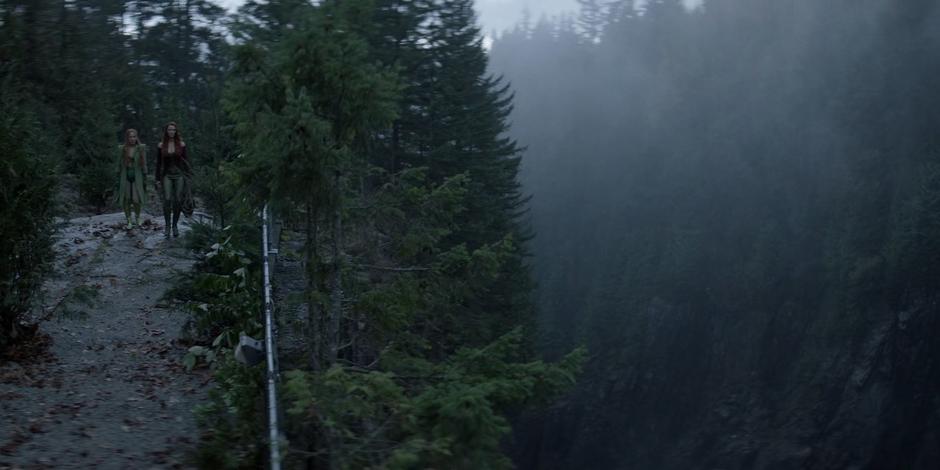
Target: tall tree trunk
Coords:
[(336, 301), (314, 317), (336, 283)]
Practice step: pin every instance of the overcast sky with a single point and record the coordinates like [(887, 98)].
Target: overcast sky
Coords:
[(494, 14)]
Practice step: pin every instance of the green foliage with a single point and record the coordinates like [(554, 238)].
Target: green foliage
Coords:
[(231, 418), (214, 186), (438, 286), (300, 106), (92, 156), (182, 50), (223, 300), (432, 416), (222, 295), (423, 214), (413, 250), (96, 182), (262, 22), (27, 185), (454, 124)]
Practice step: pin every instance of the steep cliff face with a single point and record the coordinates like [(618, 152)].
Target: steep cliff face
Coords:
[(735, 393), (867, 401)]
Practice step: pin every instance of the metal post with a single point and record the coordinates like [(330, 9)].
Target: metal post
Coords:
[(269, 349)]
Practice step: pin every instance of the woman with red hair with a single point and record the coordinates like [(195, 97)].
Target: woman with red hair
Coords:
[(172, 171), (132, 171)]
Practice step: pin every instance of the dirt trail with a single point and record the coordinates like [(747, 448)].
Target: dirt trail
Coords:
[(112, 392)]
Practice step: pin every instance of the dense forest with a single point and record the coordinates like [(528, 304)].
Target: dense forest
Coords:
[(735, 209), (717, 221), (375, 130)]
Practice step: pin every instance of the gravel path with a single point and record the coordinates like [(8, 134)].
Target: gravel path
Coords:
[(111, 391)]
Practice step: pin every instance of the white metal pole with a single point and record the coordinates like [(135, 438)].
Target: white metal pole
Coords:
[(269, 349)]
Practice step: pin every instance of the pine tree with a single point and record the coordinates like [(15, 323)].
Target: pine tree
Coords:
[(304, 135), (465, 133), (178, 45), (264, 22), (395, 34), (26, 191)]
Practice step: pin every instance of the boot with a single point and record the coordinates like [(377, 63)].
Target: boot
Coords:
[(136, 209), (166, 222), (176, 219)]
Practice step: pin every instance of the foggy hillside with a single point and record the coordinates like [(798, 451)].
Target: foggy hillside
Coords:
[(735, 210)]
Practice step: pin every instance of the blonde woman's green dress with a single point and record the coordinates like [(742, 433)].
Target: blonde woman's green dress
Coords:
[(132, 188)]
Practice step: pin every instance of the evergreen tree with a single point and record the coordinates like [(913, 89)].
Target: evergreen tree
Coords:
[(26, 208), (264, 22), (466, 112), (177, 43), (332, 98), (400, 274), (395, 37)]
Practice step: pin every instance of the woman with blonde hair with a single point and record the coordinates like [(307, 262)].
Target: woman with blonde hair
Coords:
[(172, 172), (132, 174)]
